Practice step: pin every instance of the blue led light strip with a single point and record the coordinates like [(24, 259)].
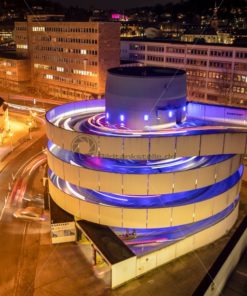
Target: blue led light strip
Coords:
[(124, 166), (141, 240), (147, 201)]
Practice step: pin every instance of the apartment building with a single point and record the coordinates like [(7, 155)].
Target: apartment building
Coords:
[(68, 59), (215, 73)]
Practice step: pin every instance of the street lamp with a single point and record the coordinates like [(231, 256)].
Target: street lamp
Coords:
[(34, 114), (11, 140), (29, 130), (1, 137)]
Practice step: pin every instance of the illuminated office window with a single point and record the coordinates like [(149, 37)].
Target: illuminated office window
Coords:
[(49, 76), (60, 69), (38, 29), (22, 46)]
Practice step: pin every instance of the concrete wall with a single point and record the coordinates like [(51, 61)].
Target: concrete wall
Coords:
[(123, 272), (218, 113), (143, 184), (222, 139), (136, 148), (207, 236), (125, 92), (143, 218), (221, 278), (136, 266)]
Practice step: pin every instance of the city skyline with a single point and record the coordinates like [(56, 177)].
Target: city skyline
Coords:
[(111, 4)]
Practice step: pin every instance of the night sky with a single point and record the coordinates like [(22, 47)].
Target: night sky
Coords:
[(108, 4)]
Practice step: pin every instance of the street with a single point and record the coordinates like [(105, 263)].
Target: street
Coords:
[(15, 250)]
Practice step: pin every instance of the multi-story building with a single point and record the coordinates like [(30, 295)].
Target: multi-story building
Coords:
[(14, 71), (6, 34), (68, 59), (208, 36), (215, 73)]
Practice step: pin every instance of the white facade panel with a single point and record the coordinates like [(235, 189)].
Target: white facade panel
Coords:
[(90, 212), (135, 148), (58, 136), (223, 170), (185, 181), (203, 210), (185, 246), (161, 183), (111, 216), (58, 167), (188, 146), (146, 263), (134, 218), (123, 271), (158, 218), (67, 140), (182, 215), (111, 147), (236, 161), (89, 179), (235, 143), (71, 174), (110, 182), (162, 148), (135, 184), (206, 176), (212, 144), (220, 203), (72, 205)]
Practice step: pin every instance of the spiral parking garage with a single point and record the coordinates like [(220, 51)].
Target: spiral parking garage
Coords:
[(161, 174)]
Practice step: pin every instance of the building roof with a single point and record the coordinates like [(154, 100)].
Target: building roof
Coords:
[(148, 71), (107, 242), (172, 41)]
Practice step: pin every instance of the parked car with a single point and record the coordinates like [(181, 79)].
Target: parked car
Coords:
[(30, 213)]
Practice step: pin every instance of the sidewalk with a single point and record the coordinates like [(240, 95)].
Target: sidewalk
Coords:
[(9, 153), (63, 270)]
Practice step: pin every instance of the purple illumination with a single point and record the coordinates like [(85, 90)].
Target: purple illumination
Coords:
[(88, 116), (147, 201), (91, 118), (146, 117), (125, 166), (145, 240), (118, 16)]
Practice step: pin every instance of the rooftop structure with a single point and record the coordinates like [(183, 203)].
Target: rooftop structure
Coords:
[(163, 191), (154, 96)]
